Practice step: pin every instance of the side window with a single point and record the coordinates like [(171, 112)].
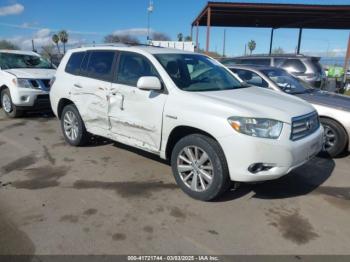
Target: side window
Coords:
[(251, 78), (294, 65), (74, 62), (278, 61), (100, 65), (256, 61), (132, 66)]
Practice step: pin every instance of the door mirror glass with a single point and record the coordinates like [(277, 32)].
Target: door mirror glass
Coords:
[(149, 83)]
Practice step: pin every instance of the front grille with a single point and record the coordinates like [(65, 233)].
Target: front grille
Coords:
[(303, 126)]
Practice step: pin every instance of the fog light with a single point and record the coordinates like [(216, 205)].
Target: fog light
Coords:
[(259, 167), (24, 98)]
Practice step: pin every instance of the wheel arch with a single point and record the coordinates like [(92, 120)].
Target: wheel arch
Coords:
[(3, 87), (179, 132), (61, 104), (340, 124)]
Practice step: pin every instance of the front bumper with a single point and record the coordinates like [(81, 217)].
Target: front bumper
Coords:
[(31, 99), (283, 155)]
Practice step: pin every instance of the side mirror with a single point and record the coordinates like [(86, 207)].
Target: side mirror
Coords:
[(149, 83)]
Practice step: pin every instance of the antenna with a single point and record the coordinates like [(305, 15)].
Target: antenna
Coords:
[(150, 10)]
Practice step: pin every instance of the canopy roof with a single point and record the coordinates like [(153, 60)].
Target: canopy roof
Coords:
[(274, 15)]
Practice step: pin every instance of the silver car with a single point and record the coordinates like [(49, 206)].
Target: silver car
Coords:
[(306, 68), (333, 109)]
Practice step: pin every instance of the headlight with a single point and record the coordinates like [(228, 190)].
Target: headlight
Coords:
[(258, 127), (27, 83)]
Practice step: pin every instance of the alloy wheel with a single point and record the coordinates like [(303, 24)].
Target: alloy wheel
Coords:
[(71, 126), (329, 137), (6, 103), (195, 168)]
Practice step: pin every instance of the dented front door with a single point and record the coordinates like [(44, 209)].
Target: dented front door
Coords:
[(136, 116), (90, 96)]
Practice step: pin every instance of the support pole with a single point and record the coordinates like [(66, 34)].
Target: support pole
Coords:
[(299, 40), (208, 29), (197, 36), (271, 40), (347, 58), (224, 44), (192, 33)]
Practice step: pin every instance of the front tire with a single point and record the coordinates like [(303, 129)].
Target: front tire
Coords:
[(335, 137), (199, 167), (9, 108), (73, 126)]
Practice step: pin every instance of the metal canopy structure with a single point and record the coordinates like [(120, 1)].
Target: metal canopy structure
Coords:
[(274, 16)]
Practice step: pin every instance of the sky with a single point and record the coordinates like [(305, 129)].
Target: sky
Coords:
[(90, 20)]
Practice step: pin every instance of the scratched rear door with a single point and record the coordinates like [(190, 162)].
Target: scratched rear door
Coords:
[(136, 115)]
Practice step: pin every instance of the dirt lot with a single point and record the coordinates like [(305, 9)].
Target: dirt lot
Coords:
[(110, 199)]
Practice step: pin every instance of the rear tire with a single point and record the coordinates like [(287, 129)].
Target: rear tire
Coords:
[(73, 126), (335, 137), (199, 167), (9, 108)]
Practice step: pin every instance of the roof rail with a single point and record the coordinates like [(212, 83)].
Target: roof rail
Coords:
[(107, 44), (118, 45)]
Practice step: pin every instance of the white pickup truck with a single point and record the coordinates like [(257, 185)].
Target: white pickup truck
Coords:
[(24, 82), (187, 108)]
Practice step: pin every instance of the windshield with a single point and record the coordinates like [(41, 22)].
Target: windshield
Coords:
[(286, 82), (194, 72), (11, 61)]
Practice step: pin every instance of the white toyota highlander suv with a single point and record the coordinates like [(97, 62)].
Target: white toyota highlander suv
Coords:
[(24, 82), (187, 108)]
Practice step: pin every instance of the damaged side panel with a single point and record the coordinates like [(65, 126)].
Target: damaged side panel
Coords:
[(92, 101), (137, 115)]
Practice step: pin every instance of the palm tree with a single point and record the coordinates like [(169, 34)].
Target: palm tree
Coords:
[(56, 39), (63, 35), (251, 46)]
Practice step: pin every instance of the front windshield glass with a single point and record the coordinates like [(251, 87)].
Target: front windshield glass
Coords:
[(286, 82), (11, 61), (194, 72)]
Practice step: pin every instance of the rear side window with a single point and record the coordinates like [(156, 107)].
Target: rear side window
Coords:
[(279, 61), (99, 65), (132, 66), (294, 65), (74, 62)]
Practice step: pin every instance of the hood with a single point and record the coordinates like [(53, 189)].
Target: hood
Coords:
[(327, 99), (259, 102), (32, 73)]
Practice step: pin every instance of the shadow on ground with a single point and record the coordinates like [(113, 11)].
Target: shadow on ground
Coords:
[(301, 181)]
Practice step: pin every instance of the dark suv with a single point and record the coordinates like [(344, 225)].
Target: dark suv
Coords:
[(307, 68)]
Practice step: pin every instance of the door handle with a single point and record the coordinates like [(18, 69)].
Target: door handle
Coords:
[(78, 85)]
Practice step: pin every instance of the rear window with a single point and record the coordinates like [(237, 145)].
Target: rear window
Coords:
[(74, 62), (315, 64)]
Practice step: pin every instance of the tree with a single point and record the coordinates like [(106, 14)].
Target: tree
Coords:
[(158, 36), (188, 38), (48, 52), (180, 37), (56, 40), (251, 46), (4, 44), (279, 50), (63, 36), (125, 38)]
